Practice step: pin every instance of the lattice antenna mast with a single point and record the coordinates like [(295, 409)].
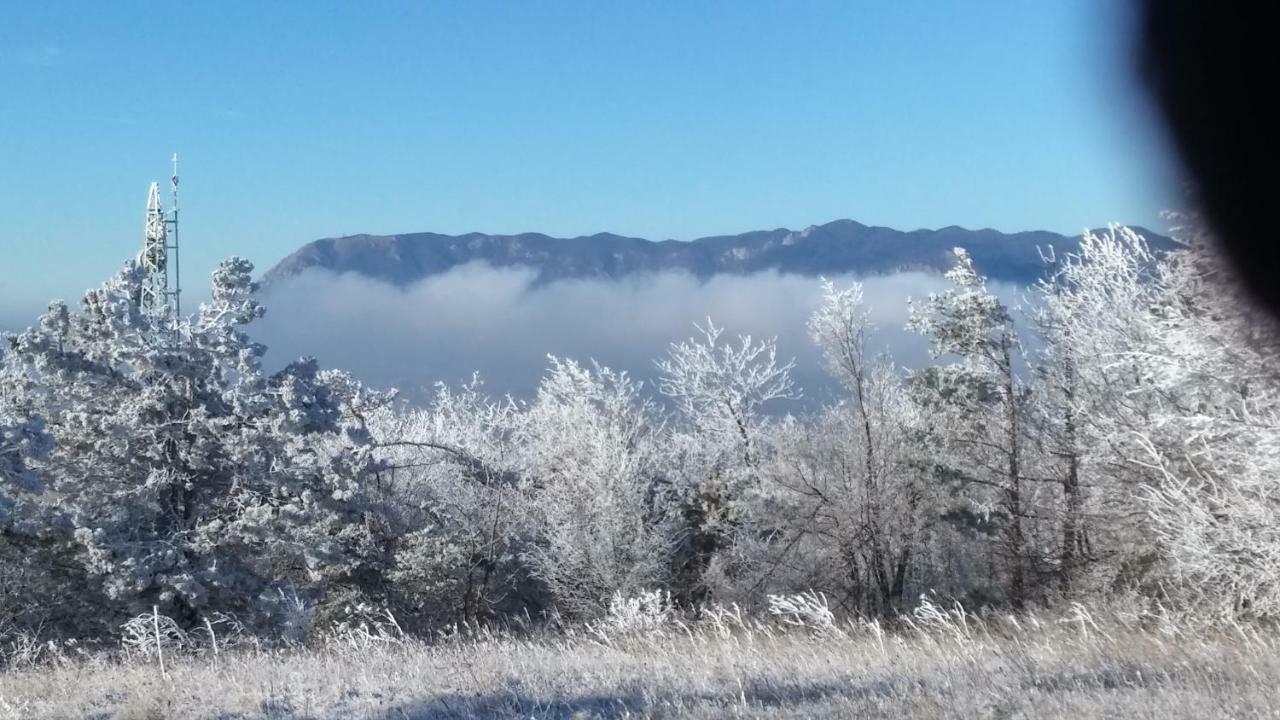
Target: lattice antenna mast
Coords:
[(162, 286), (154, 258)]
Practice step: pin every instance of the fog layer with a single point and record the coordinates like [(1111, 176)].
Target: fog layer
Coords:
[(499, 323)]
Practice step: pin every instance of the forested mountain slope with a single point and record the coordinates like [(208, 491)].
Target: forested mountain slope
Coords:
[(839, 247)]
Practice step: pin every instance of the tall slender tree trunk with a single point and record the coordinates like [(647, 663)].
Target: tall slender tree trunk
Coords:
[(1072, 522), (1015, 541), (1072, 530), (899, 578)]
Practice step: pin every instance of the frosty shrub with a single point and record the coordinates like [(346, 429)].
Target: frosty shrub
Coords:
[(457, 504), (589, 443), (645, 612), (150, 634)]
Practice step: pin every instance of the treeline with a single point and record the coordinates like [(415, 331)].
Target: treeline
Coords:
[(1114, 436)]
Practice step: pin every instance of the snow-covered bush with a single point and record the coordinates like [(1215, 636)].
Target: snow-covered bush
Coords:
[(589, 446), (151, 635), (645, 612), (459, 507)]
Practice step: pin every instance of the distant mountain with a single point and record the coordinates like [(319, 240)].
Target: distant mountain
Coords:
[(838, 247)]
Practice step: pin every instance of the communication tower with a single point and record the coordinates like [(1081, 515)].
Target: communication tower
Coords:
[(162, 286)]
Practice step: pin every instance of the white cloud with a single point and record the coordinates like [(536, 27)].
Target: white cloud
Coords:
[(497, 322)]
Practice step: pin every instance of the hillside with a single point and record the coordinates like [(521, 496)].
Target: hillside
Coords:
[(842, 246)]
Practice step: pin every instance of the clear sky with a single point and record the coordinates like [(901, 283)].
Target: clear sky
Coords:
[(300, 120)]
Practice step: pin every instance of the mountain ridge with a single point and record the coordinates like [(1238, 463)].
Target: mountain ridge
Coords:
[(837, 247)]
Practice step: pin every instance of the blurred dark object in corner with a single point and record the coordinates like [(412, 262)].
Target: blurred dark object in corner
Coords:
[(1205, 69)]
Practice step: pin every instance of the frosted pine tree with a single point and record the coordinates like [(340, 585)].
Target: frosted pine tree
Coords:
[(984, 405), (182, 476)]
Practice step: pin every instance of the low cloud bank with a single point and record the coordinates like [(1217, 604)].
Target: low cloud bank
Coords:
[(499, 323)]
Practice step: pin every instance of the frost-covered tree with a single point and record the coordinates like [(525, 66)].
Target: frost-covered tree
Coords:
[(182, 475), (147, 460), (873, 493), (1215, 442), (1176, 397), (1094, 315), (719, 389), (984, 404), (817, 523), (504, 506)]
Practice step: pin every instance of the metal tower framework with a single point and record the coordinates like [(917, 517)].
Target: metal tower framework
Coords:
[(162, 286)]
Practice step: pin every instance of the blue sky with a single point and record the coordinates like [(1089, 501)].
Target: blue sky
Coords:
[(303, 120)]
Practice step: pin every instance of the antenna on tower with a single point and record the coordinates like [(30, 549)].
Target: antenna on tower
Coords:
[(159, 256), (154, 258), (172, 222)]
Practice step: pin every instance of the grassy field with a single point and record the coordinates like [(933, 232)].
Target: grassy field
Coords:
[(936, 665)]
